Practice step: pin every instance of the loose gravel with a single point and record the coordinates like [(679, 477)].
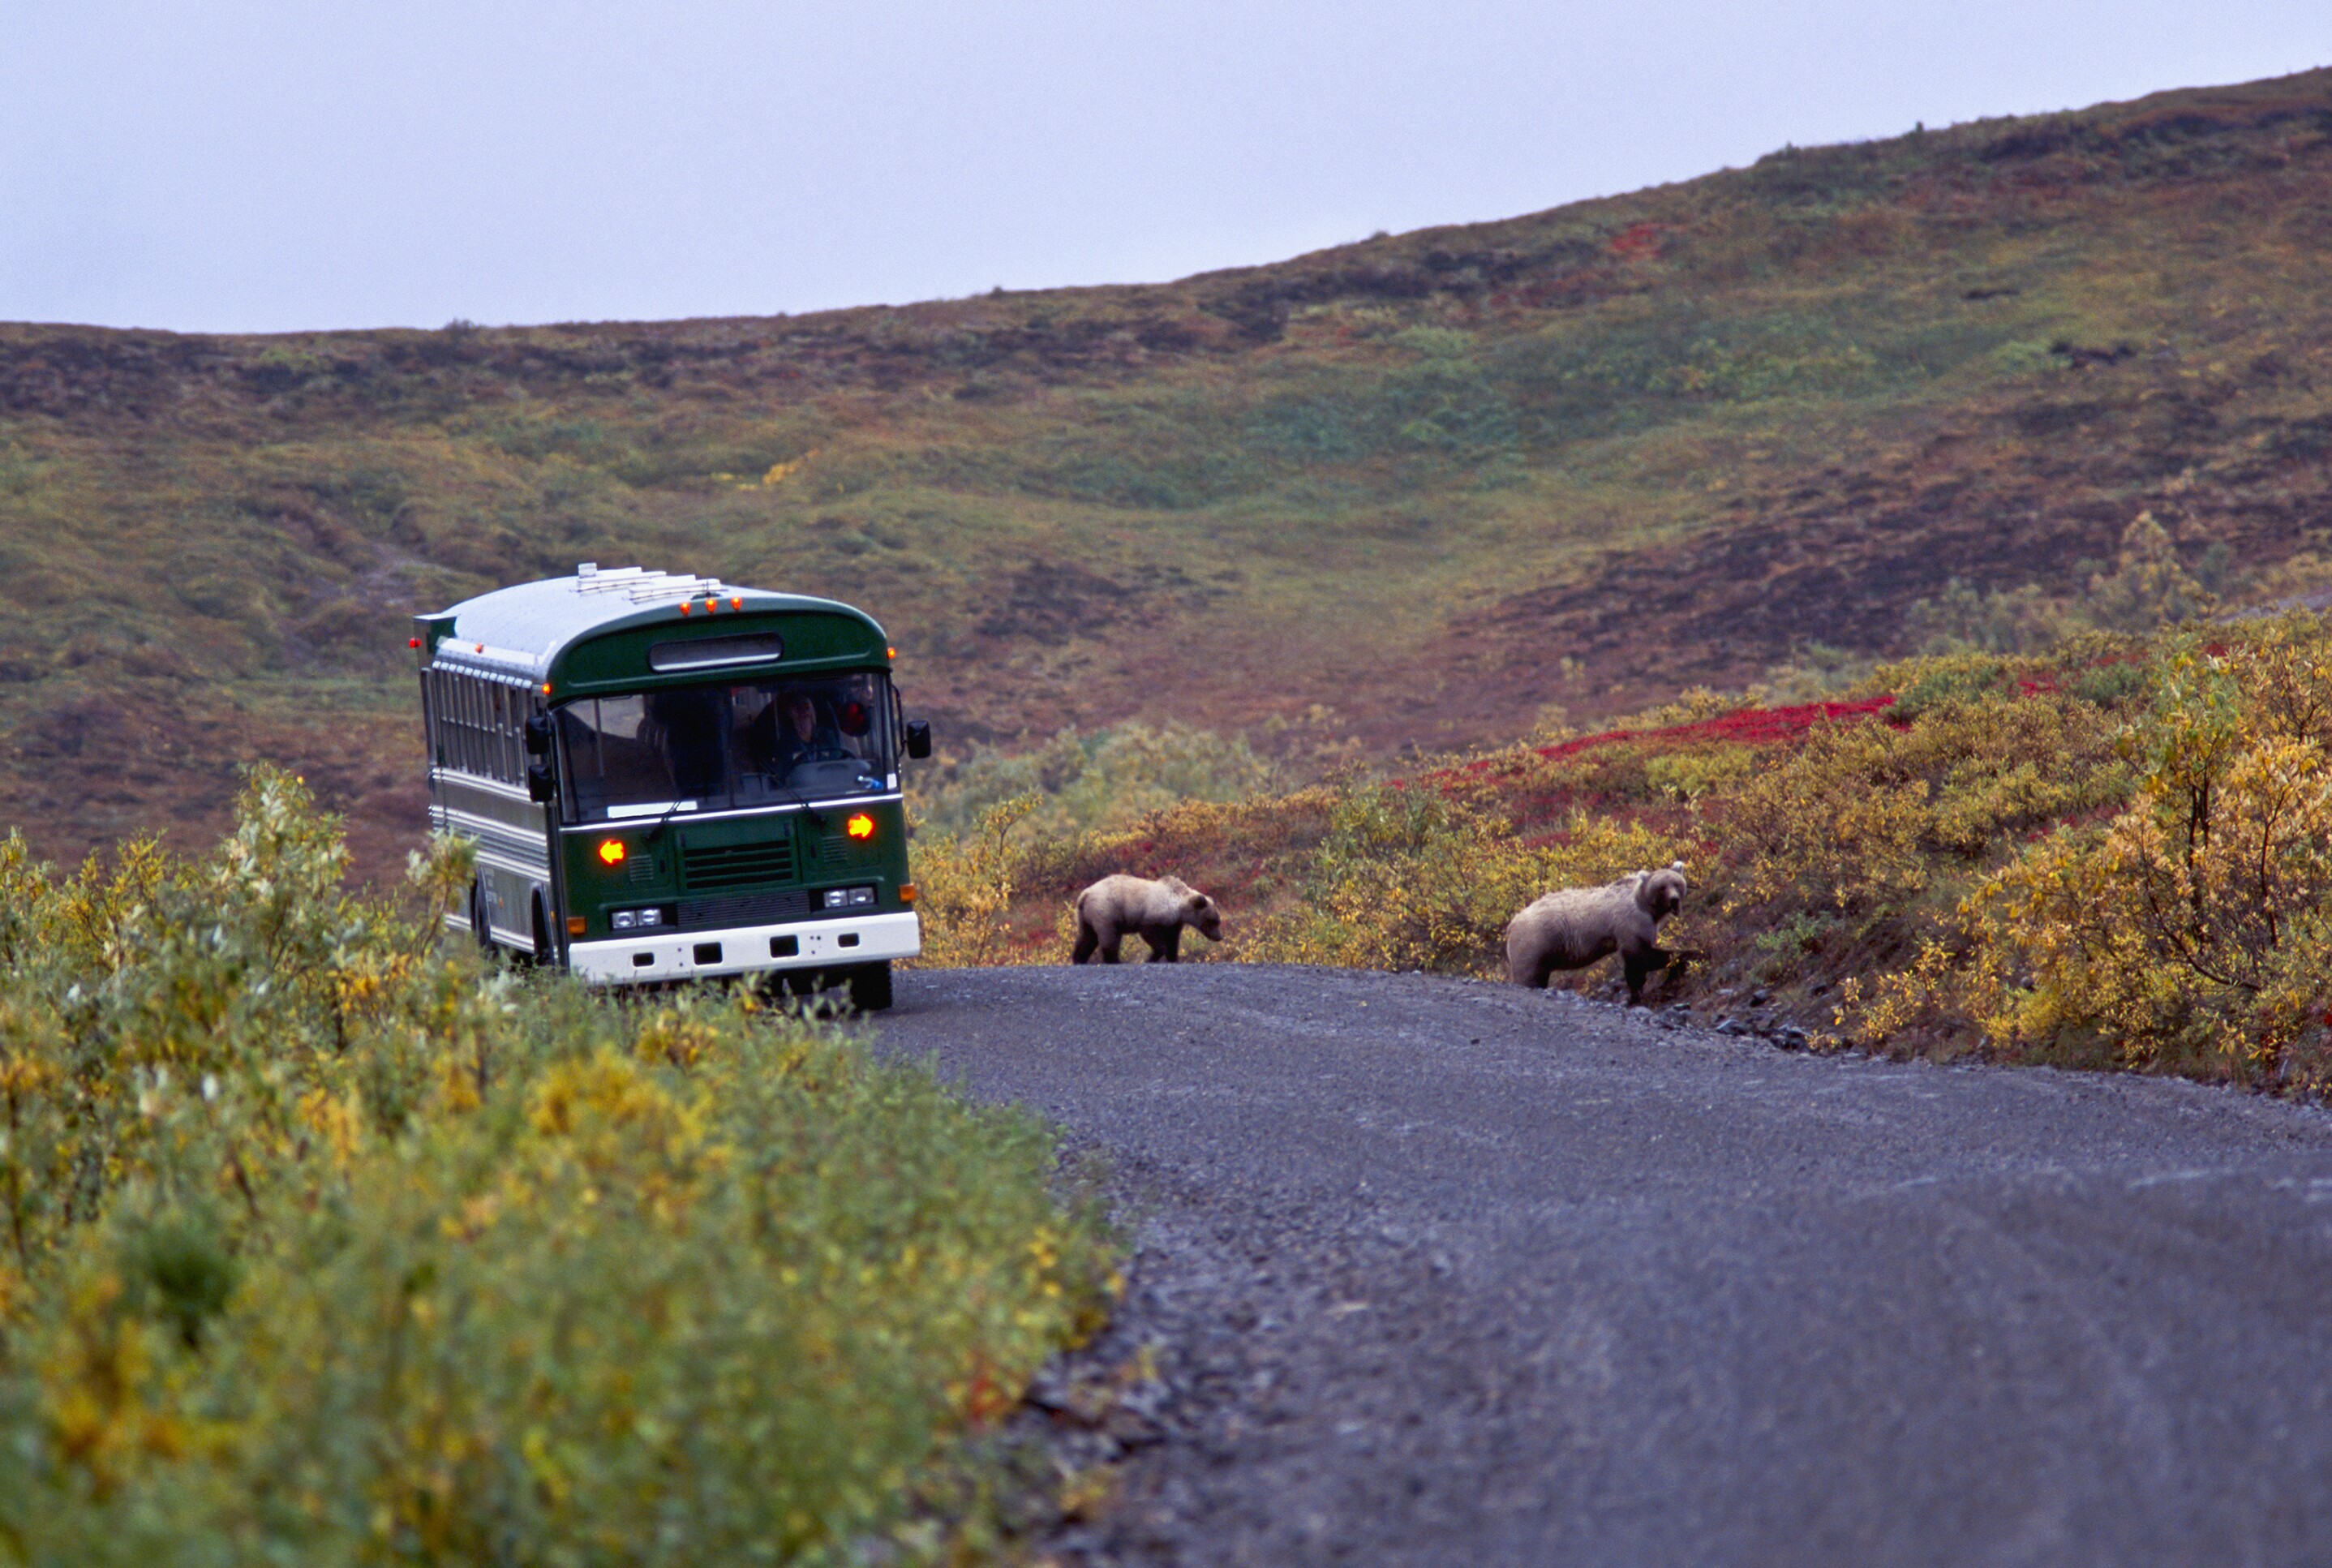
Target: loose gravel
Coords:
[(1432, 1271)]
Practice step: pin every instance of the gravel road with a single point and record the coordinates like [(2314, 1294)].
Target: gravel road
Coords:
[(1445, 1272)]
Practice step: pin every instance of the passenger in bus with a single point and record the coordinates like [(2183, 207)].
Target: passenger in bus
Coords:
[(686, 725)]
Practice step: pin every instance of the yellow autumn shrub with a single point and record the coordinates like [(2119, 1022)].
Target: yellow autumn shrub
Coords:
[(966, 884), (2193, 931), (322, 1245)]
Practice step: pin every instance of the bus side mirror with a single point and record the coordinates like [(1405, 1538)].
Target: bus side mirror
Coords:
[(918, 739), (541, 784), (537, 734)]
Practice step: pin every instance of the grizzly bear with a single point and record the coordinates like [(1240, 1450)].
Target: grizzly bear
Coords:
[(1572, 928), (1112, 908)]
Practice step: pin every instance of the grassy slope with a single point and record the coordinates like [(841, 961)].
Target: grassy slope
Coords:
[(1434, 482)]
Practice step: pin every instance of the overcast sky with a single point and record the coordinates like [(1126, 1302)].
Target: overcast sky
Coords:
[(236, 165)]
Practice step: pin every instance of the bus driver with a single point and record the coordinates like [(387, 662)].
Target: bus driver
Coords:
[(789, 732)]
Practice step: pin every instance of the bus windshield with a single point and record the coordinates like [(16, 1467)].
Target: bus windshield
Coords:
[(720, 748)]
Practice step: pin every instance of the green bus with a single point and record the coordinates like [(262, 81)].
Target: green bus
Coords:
[(668, 778)]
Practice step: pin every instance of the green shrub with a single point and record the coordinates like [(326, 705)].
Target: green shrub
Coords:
[(321, 1246), (1095, 780), (1689, 776), (1949, 678)]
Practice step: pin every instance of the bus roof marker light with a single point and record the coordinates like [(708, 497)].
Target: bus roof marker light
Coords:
[(860, 825), (413, 641), (611, 852), (738, 603)]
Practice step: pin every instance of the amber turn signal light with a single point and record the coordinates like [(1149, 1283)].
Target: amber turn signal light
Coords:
[(860, 825), (575, 925), (611, 852), (907, 892)]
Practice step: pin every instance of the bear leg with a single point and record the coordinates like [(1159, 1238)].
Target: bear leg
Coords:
[(1642, 964), (1087, 940), (1165, 943)]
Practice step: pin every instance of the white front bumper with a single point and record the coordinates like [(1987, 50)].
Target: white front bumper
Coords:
[(746, 950)]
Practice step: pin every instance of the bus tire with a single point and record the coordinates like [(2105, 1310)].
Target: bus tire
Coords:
[(870, 986), (480, 931)]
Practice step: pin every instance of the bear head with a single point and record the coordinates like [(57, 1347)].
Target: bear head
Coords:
[(1200, 913), (1660, 893)]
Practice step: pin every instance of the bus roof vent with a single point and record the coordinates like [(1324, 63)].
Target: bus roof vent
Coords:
[(588, 568)]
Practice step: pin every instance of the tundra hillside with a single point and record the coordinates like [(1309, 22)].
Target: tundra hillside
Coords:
[(318, 1246), (1410, 492), (2115, 852)]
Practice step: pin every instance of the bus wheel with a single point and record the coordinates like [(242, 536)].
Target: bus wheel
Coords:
[(870, 986), (480, 931)]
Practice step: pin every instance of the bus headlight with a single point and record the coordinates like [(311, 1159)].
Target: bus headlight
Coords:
[(848, 898), (637, 919)]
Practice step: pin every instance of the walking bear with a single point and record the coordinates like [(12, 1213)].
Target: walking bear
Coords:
[(1572, 928), (1116, 906)]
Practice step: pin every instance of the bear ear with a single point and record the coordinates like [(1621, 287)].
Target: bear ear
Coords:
[(1676, 865)]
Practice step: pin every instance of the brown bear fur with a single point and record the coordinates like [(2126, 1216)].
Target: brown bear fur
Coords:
[(1572, 928), (1117, 906)]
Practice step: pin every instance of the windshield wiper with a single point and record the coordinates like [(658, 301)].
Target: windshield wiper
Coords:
[(808, 810), (669, 812)]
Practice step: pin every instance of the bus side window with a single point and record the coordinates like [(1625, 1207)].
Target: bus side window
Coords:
[(513, 749), (471, 762), (449, 719), (502, 733), (461, 762), (480, 762)]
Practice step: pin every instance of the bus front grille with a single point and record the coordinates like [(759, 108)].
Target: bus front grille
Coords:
[(704, 868), (743, 908)]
